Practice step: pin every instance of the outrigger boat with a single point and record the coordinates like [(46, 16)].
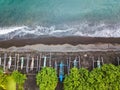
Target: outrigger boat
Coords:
[(9, 62), (0, 61), (32, 64), (22, 62)]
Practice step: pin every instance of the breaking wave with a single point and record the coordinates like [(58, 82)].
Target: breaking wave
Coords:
[(95, 18), (83, 29)]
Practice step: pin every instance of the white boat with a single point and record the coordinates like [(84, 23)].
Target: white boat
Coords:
[(0, 61), (22, 62), (32, 64), (9, 62)]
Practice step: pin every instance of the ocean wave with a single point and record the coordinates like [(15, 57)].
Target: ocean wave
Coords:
[(82, 29)]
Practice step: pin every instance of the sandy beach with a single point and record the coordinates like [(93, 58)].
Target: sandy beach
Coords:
[(63, 44)]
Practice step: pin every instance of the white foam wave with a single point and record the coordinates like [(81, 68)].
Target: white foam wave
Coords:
[(104, 33), (107, 33), (83, 29), (7, 30)]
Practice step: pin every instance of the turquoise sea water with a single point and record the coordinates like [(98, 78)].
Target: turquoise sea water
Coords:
[(58, 11), (85, 14)]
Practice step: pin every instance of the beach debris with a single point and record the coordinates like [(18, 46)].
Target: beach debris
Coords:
[(85, 55)]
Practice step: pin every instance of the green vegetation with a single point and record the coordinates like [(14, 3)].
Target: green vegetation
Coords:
[(11, 84), (83, 78), (3, 80), (9, 81), (19, 79), (105, 78), (71, 81), (6, 81), (76, 80), (47, 79)]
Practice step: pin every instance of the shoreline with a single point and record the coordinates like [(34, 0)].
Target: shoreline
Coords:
[(63, 48), (61, 44), (59, 41)]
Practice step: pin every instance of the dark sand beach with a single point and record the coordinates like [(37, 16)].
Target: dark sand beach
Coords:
[(58, 40)]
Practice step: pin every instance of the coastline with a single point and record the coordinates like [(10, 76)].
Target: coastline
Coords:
[(61, 44), (59, 41)]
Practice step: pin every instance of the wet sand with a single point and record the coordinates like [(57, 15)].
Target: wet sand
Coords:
[(61, 44), (58, 41)]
